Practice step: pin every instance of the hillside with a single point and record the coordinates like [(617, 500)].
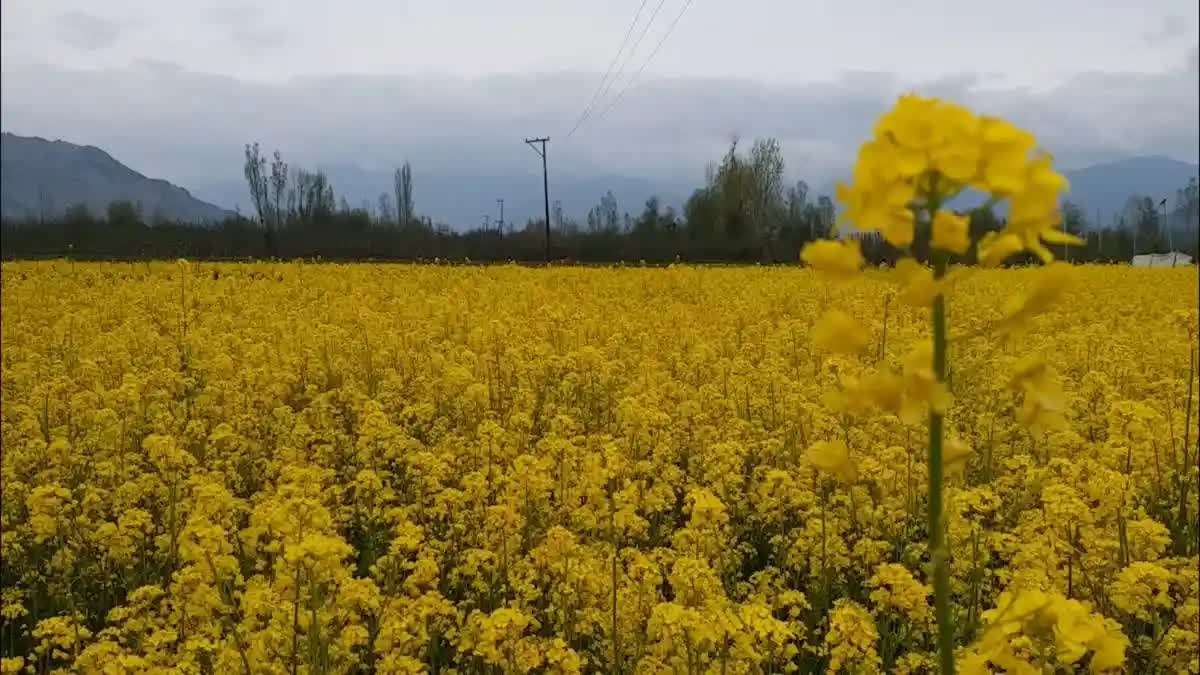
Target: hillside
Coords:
[(41, 179), (1106, 187)]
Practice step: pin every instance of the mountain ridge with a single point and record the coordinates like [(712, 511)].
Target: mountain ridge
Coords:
[(1105, 188), (41, 178)]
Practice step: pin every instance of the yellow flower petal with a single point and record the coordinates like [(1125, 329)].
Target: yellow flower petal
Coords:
[(995, 248), (951, 232), (955, 454), (840, 259), (838, 332), (833, 457)]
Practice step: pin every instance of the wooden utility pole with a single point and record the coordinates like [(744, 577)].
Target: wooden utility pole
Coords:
[(1166, 226), (545, 186)]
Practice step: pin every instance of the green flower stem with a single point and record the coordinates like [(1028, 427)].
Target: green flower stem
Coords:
[(937, 537)]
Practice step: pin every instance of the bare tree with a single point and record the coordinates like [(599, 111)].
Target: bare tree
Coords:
[(322, 196), (404, 197), (798, 209), (826, 214), (295, 196), (314, 196), (605, 216), (305, 202), (385, 208), (732, 186), (1073, 222), (396, 189), (766, 186), (279, 180), (256, 180), (291, 202), (45, 204)]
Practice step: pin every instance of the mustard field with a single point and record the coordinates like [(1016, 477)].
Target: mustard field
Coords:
[(318, 468)]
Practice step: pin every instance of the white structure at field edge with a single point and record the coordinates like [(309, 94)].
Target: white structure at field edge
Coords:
[(1172, 259)]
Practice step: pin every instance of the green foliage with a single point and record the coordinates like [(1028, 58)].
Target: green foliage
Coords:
[(78, 215), (124, 214)]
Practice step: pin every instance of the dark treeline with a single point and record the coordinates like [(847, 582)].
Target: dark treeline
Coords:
[(235, 239), (743, 213)]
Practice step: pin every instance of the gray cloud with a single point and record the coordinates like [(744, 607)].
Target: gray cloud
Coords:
[(190, 127), (246, 25), (259, 37), (1172, 26), (87, 31), (233, 13)]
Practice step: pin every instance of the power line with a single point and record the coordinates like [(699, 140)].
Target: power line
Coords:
[(629, 55), (645, 63), (624, 63), (596, 94)]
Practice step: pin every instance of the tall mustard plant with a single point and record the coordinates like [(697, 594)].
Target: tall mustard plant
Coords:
[(924, 153)]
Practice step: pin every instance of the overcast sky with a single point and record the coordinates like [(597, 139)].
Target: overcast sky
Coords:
[(175, 88)]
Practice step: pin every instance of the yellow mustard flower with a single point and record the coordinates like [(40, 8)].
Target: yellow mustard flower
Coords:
[(951, 232), (839, 259), (833, 457), (838, 332)]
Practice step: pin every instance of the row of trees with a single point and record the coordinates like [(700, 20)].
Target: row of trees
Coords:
[(744, 212), (300, 199)]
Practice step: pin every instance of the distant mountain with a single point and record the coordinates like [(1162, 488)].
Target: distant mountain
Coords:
[(1104, 188), (41, 178)]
